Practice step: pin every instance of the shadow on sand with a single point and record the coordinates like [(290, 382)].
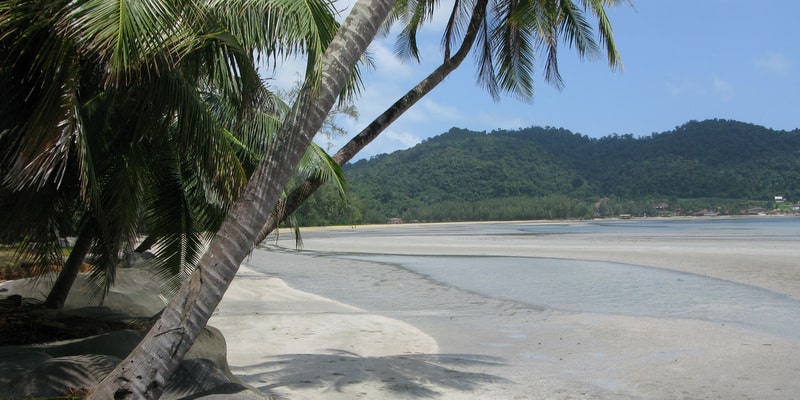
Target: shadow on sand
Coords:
[(415, 375)]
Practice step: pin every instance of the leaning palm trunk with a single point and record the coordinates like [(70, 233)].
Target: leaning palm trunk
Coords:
[(69, 272), (143, 374), (305, 189)]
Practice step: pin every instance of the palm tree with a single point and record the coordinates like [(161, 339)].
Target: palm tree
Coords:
[(144, 372), (96, 129), (508, 33), (106, 148)]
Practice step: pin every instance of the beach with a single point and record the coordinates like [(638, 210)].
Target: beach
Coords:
[(399, 334)]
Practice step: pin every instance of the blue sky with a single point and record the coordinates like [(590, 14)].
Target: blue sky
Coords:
[(683, 60)]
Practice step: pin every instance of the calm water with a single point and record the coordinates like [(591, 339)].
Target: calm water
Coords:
[(755, 228), (603, 287), (777, 228)]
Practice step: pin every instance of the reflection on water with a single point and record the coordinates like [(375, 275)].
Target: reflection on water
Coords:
[(603, 287)]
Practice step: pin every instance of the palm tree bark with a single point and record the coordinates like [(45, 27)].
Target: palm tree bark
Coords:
[(305, 189), (144, 373), (60, 290)]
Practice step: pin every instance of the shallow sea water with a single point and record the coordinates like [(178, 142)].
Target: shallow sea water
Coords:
[(604, 287)]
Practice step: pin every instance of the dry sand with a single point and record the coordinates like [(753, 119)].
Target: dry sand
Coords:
[(415, 338)]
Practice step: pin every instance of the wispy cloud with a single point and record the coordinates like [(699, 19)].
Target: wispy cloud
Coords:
[(774, 62), (684, 88), (690, 88), (441, 111), (406, 139), (386, 63), (286, 73), (722, 88), (389, 141)]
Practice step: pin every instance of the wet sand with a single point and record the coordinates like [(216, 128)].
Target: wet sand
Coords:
[(405, 336)]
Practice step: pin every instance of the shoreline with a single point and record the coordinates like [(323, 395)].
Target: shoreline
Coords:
[(730, 258), (473, 346), (548, 221)]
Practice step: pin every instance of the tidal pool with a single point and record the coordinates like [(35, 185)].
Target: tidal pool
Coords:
[(604, 287)]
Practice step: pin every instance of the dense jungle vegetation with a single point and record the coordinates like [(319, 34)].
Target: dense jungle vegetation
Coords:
[(718, 166)]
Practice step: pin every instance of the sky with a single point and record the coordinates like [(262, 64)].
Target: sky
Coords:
[(682, 60)]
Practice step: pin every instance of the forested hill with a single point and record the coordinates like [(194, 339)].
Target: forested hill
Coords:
[(708, 159)]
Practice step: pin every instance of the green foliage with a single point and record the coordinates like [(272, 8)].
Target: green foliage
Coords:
[(327, 207), (553, 206), (716, 166), (459, 166), (129, 118)]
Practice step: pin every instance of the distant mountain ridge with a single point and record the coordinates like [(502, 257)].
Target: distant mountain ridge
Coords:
[(699, 159)]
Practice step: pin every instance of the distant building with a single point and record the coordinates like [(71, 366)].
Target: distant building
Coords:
[(780, 199), (796, 207), (395, 220)]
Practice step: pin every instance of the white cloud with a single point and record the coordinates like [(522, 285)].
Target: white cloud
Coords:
[(684, 88), (426, 111), (285, 74), (774, 62), (689, 88), (722, 88), (386, 63), (389, 141), (377, 96), (441, 111), (405, 139)]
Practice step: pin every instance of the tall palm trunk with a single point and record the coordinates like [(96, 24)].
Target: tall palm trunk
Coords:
[(302, 192), (143, 374), (66, 278)]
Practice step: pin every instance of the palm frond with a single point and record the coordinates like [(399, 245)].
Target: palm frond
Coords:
[(117, 204), (176, 218), (105, 96), (413, 15), (282, 28), (457, 21), (39, 119), (519, 30), (484, 58), (597, 7), (45, 139), (28, 221), (126, 34), (514, 44), (576, 29), (318, 164)]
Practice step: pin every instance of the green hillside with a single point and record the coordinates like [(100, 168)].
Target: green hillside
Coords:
[(554, 173)]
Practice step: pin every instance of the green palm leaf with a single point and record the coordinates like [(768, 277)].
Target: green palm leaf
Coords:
[(126, 34)]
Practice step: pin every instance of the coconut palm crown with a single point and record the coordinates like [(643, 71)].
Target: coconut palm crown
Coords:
[(132, 117)]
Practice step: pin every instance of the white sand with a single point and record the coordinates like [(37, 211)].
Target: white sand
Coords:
[(440, 342)]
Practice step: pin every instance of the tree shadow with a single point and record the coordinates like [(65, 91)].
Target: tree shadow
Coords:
[(416, 375)]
